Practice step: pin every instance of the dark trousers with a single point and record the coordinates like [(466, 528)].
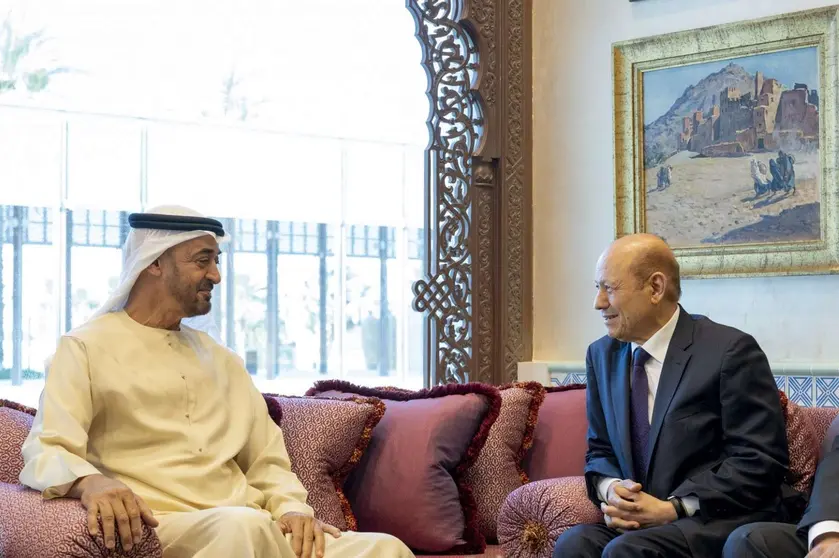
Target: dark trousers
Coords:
[(596, 541), (765, 540)]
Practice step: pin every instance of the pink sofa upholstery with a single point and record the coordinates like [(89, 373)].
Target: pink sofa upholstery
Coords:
[(31, 527), (536, 514), (531, 519)]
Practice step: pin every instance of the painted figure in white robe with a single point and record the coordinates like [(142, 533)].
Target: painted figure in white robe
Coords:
[(146, 419)]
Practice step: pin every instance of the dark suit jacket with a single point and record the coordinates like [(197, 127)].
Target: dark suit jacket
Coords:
[(824, 498), (717, 432)]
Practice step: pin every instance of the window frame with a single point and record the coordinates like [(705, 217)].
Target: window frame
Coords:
[(476, 292), (476, 295)]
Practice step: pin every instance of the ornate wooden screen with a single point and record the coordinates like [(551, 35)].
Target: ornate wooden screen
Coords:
[(476, 291)]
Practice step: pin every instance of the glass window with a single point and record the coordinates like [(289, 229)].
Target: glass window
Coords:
[(93, 260), (29, 318), (30, 157), (314, 164), (104, 156)]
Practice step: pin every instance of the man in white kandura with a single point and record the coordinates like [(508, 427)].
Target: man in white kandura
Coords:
[(146, 419)]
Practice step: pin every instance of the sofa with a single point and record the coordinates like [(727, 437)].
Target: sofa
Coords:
[(517, 479), (475, 443), (534, 515)]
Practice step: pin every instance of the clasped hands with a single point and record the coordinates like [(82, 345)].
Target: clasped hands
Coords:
[(825, 546), (628, 508), (119, 507)]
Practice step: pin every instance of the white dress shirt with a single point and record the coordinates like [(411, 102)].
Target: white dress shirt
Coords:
[(819, 529), (656, 346)]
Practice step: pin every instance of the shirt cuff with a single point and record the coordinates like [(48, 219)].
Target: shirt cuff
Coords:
[(603, 487), (292, 507), (819, 529), (75, 470), (691, 504)]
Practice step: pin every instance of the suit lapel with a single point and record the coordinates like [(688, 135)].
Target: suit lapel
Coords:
[(678, 355), (621, 357)]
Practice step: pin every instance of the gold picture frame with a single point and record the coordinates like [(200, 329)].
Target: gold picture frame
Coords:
[(704, 164)]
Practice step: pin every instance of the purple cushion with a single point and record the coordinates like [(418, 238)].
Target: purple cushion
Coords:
[(411, 481), (559, 441), (15, 423), (325, 439), (498, 470), (536, 514)]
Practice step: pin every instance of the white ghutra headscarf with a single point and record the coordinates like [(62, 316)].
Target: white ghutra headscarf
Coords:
[(152, 233)]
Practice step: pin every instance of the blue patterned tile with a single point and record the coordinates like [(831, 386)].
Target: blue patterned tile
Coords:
[(800, 390), (558, 379), (781, 382), (576, 379), (827, 391)]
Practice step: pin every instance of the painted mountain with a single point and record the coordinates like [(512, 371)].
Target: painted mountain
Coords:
[(661, 138)]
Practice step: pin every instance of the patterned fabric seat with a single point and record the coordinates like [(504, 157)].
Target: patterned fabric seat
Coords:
[(536, 514), (31, 527)]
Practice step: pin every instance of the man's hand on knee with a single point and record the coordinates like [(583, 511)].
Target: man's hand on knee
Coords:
[(629, 508), (306, 531), (826, 546), (116, 504)]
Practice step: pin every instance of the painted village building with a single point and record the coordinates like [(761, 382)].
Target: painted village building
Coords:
[(767, 118)]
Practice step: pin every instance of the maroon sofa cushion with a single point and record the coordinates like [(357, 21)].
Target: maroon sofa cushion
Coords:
[(411, 481), (803, 446), (325, 439), (498, 470), (32, 527), (559, 441), (536, 514), (15, 423), (821, 419)]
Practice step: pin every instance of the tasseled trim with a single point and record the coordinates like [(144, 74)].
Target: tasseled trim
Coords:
[(537, 397), (534, 536), (784, 403), (341, 475), (18, 407), (275, 410), (475, 541), (554, 389)]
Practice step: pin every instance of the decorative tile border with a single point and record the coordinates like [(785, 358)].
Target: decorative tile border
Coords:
[(807, 384), (827, 391)]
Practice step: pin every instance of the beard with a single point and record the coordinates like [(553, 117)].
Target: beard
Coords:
[(188, 298)]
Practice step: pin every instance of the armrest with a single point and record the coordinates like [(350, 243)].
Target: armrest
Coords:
[(31, 527), (534, 515)]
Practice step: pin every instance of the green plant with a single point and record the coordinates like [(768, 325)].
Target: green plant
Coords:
[(28, 374), (15, 49)]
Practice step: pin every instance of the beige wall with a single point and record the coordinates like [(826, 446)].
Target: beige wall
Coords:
[(794, 318)]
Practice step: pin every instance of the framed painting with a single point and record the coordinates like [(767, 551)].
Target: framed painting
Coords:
[(725, 144)]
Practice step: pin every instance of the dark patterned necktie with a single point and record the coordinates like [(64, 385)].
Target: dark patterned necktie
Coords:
[(639, 412)]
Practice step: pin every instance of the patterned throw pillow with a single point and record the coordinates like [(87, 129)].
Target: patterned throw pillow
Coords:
[(411, 481), (15, 423), (326, 439), (498, 470), (822, 419), (803, 446)]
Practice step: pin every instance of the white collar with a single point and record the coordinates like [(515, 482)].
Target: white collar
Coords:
[(656, 346)]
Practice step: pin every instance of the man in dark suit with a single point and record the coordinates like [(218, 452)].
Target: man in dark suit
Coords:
[(815, 536), (686, 437)]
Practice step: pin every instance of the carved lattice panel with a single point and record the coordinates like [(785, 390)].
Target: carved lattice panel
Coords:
[(455, 124)]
